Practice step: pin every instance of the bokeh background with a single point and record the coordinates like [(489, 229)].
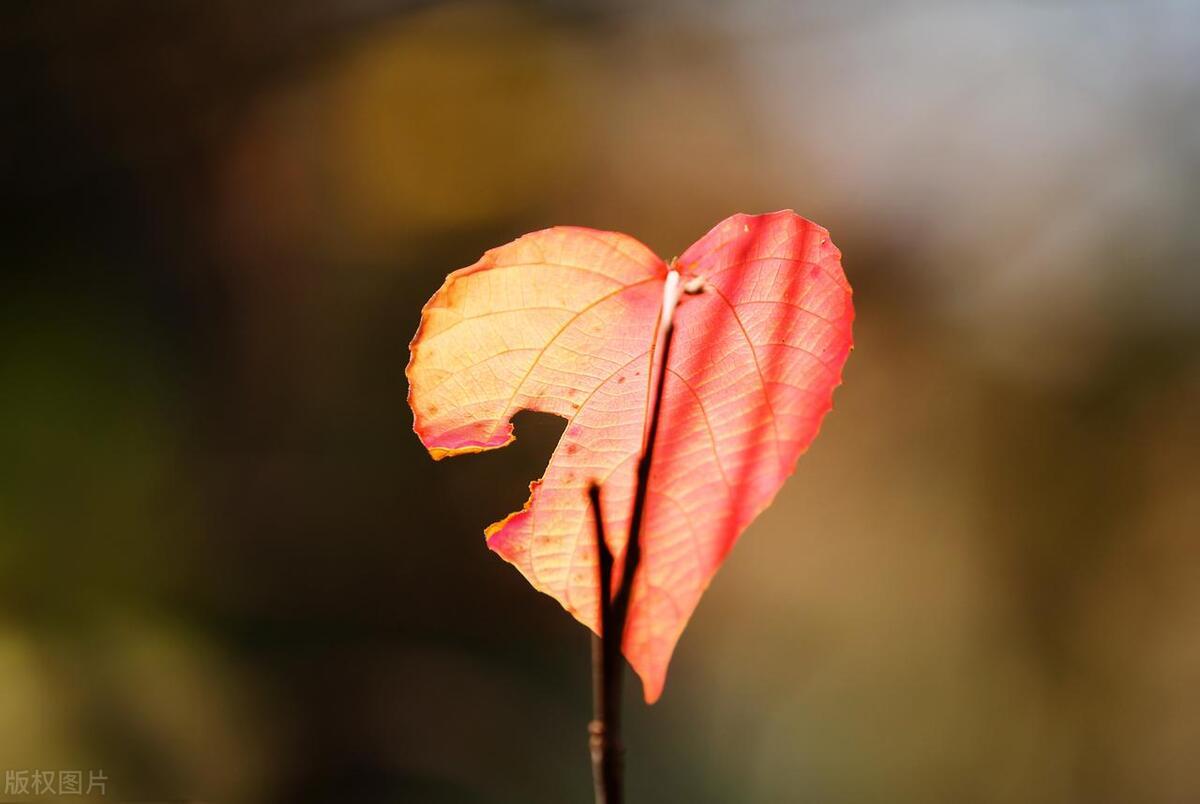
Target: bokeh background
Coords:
[(229, 573)]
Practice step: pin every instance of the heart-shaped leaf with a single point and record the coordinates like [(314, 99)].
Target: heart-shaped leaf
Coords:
[(564, 321)]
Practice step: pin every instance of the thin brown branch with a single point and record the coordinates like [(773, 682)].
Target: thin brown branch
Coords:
[(607, 670), (633, 548), (605, 756)]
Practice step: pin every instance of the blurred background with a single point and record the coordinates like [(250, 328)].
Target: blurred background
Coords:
[(230, 573)]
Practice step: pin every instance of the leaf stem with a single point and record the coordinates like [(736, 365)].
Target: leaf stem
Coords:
[(605, 728), (633, 547)]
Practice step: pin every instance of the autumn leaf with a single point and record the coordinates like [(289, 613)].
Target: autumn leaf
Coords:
[(565, 321)]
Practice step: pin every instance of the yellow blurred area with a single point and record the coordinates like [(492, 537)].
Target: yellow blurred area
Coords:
[(382, 145)]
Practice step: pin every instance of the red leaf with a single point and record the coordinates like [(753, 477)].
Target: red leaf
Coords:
[(564, 321)]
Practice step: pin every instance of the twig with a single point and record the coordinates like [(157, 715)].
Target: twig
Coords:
[(605, 728), (633, 548), (606, 775)]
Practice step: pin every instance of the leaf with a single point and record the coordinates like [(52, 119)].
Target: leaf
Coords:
[(564, 321)]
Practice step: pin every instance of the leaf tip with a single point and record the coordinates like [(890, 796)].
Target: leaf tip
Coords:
[(439, 453)]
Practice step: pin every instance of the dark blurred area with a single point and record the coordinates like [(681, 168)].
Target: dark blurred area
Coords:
[(230, 573)]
